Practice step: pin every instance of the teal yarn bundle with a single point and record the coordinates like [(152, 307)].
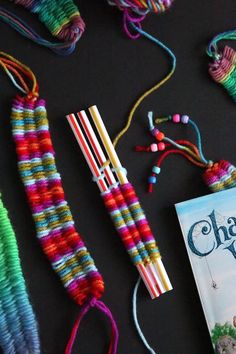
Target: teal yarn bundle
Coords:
[(18, 326)]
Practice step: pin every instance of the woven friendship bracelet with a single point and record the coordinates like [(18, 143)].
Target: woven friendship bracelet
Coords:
[(55, 227), (18, 326), (61, 17), (223, 67)]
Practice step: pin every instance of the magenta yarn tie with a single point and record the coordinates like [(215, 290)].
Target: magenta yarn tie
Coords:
[(93, 302)]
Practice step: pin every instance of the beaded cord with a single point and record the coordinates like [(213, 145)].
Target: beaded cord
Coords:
[(55, 227), (218, 176), (61, 17), (18, 326), (223, 67)]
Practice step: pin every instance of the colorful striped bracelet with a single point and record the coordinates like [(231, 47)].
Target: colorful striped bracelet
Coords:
[(121, 201), (223, 67), (61, 17), (55, 227), (18, 326)]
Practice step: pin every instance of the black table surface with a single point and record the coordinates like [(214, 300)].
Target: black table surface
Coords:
[(111, 71)]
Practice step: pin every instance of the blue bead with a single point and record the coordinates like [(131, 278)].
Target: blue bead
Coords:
[(152, 179), (185, 119), (156, 170)]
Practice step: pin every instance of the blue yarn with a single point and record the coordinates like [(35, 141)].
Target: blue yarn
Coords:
[(134, 303), (199, 140), (212, 49), (158, 42)]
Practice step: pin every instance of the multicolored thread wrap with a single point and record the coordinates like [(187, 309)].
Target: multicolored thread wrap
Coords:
[(55, 227), (120, 200), (131, 224), (220, 176), (223, 70), (61, 17), (18, 326)]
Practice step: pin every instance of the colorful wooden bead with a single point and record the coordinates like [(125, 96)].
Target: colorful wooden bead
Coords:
[(176, 118), (153, 147), (185, 119)]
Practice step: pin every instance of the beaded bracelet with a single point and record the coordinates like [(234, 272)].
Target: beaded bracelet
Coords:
[(55, 228), (61, 17), (18, 326)]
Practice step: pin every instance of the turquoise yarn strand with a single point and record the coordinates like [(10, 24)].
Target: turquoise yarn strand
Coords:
[(135, 317)]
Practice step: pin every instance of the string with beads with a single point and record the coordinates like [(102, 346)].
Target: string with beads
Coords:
[(218, 176), (223, 67), (61, 17), (18, 325), (55, 228)]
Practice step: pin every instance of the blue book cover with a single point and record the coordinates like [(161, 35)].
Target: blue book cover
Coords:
[(209, 229)]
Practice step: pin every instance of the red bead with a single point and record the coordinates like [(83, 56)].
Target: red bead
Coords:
[(161, 146)]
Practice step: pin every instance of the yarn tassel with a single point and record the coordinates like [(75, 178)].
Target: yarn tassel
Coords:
[(93, 302), (135, 317)]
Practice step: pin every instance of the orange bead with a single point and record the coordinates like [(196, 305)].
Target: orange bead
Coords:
[(160, 136)]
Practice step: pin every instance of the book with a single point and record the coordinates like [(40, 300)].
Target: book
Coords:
[(208, 225)]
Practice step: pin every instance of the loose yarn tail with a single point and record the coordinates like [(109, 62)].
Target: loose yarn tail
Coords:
[(152, 89), (61, 17), (93, 302), (135, 317)]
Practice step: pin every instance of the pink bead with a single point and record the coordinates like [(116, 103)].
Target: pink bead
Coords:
[(154, 147), (161, 146), (176, 118)]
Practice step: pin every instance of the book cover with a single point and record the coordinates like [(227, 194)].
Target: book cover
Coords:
[(209, 229)]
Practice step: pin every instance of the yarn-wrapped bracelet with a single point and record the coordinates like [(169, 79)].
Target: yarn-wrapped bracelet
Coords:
[(55, 227), (61, 17), (18, 326), (223, 67)]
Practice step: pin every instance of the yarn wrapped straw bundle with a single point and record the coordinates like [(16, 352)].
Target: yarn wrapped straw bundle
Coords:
[(223, 70), (220, 176)]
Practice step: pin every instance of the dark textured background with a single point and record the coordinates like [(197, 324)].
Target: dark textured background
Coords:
[(110, 70)]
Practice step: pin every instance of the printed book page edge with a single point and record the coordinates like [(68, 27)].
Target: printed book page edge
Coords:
[(194, 274)]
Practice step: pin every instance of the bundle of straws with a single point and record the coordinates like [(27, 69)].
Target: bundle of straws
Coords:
[(120, 200)]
